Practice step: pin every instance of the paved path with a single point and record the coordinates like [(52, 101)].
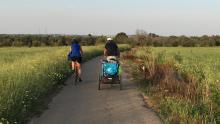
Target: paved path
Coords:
[(84, 104)]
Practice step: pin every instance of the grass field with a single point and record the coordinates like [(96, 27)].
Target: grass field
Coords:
[(183, 83), (28, 74)]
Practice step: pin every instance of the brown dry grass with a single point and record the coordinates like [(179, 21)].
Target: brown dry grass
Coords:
[(164, 78)]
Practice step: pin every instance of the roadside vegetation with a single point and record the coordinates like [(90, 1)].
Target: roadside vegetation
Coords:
[(181, 84), (141, 38), (27, 75), (179, 75)]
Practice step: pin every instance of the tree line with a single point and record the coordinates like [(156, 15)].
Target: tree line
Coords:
[(150, 39), (48, 40), (141, 38), (175, 41)]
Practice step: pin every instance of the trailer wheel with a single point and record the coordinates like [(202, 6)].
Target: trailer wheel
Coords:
[(120, 81), (100, 80)]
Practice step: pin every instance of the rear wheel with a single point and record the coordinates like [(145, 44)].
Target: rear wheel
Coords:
[(120, 82), (100, 81)]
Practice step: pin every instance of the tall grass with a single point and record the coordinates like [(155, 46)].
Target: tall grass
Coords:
[(184, 82), (28, 74)]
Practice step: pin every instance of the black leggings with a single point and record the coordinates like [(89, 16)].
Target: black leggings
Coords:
[(78, 59)]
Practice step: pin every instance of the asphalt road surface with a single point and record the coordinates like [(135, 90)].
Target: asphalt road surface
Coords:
[(85, 104)]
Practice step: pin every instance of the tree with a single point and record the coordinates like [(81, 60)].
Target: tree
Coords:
[(88, 40), (28, 41), (153, 35), (141, 36), (91, 40), (36, 43), (204, 41), (121, 38), (217, 40), (100, 40)]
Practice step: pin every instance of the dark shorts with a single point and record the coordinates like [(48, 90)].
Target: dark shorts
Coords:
[(78, 59)]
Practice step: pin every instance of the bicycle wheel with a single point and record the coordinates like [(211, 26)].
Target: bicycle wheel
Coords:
[(100, 81), (120, 82)]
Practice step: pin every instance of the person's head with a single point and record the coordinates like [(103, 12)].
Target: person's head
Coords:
[(74, 41)]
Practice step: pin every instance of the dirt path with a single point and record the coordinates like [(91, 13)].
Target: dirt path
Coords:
[(84, 104)]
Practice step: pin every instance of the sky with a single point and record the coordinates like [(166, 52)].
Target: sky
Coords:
[(108, 17)]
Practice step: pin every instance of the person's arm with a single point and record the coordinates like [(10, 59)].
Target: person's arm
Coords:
[(105, 52), (69, 55)]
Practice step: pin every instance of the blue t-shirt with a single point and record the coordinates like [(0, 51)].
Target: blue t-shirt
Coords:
[(75, 50)]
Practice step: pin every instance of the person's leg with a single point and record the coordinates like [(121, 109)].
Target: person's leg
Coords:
[(73, 65), (79, 71)]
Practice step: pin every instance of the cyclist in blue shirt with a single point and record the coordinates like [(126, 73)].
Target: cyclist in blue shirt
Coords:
[(75, 56)]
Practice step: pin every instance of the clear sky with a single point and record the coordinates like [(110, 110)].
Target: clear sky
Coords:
[(164, 17)]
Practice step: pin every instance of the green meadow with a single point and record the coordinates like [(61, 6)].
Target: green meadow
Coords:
[(183, 83)]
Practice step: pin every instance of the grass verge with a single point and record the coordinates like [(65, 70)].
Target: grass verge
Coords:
[(181, 84)]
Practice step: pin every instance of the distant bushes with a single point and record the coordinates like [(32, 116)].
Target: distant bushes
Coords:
[(47, 40), (140, 39), (150, 39), (174, 41)]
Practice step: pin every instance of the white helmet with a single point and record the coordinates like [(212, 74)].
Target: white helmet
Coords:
[(109, 39)]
